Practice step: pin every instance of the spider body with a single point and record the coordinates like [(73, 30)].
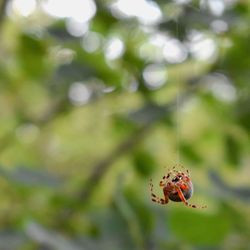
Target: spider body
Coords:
[(183, 182), (174, 196), (177, 186)]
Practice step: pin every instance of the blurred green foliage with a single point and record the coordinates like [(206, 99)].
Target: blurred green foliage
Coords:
[(84, 126)]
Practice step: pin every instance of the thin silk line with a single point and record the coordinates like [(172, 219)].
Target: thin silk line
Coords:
[(178, 135), (178, 112), (178, 132)]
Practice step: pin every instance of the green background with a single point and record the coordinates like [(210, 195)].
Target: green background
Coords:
[(75, 174)]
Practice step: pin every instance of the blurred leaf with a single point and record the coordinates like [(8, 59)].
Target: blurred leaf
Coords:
[(31, 55), (200, 228), (131, 60), (143, 213), (128, 213), (114, 229), (233, 151), (97, 62), (174, 27), (237, 53), (242, 111), (103, 21), (147, 114), (188, 151), (123, 125), (58, 30), (144, 162), (67, 74)]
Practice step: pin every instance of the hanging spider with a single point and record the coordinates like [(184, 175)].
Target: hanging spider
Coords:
[(177, 186)]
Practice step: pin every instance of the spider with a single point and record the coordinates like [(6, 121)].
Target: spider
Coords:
[(177, 186)]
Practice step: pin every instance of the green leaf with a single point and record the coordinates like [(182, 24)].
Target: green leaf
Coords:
[(144, 162), (188, 151), (233, 150), (199, 227), (31, 55)]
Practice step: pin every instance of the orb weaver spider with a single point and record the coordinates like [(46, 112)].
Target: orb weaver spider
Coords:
[(177, 186)]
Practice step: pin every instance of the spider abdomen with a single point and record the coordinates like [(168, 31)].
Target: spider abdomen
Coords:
[(174, 196), (186, 192)]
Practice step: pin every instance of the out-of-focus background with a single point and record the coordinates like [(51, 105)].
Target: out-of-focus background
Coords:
[(97, 97)]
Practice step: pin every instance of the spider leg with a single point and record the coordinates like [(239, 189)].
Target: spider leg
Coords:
[(181, 195), (165, 178), (186, 170), (155, 198), (183, 169)]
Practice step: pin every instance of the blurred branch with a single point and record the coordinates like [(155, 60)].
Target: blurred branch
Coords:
[(128, 144), (48, 238), (242, 193), (101, 167), (3, 11)]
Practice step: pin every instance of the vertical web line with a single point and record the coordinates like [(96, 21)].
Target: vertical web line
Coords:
[(178, 136), (178, 101)]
